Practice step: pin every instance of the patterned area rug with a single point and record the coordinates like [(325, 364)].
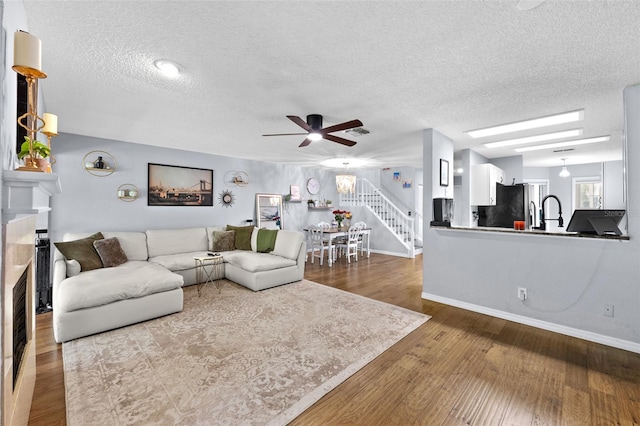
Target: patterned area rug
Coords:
[(231, 357)]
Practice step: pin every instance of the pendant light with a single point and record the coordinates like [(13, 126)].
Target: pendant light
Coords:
[(564, 172), (346, 184)]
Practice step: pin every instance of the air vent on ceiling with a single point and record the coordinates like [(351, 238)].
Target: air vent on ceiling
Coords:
[(357, 131), (564, 150)]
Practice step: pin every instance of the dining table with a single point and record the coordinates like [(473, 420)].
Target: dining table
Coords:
[(333, 233)]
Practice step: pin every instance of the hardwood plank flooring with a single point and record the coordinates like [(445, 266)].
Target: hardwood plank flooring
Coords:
[(460, 368)]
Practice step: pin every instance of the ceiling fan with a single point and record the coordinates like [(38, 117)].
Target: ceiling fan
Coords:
[(315, 132)]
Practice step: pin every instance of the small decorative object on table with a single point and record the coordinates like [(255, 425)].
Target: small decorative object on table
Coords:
[(340, 216)]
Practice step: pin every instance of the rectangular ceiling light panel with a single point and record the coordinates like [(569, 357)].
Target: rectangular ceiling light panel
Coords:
[(538, 138), (563, 144), (551, 120)]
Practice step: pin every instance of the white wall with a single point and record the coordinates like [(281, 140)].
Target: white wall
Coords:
[(512, 167), (568, 279)]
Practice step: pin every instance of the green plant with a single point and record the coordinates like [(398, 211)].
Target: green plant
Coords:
[(327, 202), (39, 149)]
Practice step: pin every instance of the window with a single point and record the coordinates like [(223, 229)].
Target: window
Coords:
[(587, 193)]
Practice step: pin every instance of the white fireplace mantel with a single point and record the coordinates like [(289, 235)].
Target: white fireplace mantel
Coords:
[(25, 193)]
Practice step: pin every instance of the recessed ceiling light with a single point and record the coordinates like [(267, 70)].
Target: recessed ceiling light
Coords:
[(168, 68), (339, 162), (565, 117), (537, 138), (561, 144)]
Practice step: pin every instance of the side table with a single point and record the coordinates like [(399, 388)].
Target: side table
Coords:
[(208, 270)]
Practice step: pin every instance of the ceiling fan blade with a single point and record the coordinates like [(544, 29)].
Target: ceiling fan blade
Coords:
[(305, 143), (343, 126), (285, 134), (339, 140), (300, 122)]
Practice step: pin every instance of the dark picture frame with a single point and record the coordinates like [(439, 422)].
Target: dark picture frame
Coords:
[(169, 185), (444, 172)]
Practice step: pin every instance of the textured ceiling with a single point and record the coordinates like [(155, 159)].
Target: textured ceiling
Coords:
[(399, 67)]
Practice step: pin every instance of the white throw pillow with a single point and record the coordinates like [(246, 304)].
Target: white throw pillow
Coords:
[(254, 239)]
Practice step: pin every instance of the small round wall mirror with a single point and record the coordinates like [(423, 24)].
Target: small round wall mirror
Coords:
[(226, 198)]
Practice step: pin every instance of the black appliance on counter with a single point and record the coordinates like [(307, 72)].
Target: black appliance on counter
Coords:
[(442, 212), (513, 202)]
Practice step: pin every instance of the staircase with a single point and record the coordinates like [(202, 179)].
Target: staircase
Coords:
[(389, 215)]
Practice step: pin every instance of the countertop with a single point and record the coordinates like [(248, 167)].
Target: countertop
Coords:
[(531, 232)]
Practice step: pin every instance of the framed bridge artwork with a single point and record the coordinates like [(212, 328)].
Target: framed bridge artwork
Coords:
[(179, 186)]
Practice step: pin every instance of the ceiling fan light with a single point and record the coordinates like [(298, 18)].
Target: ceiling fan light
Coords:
[(168, 68), (314, 136)]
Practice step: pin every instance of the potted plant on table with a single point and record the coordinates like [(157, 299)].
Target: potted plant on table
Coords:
[(39, 151)]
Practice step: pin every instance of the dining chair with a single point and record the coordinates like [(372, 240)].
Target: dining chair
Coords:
[(317, 243), (350, 246), (361, 225)]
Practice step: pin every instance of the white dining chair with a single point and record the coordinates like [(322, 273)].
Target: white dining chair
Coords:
[(350, 247), (361, 225), (318, 244)]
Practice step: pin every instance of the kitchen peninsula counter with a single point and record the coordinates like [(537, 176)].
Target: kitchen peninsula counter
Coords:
[(536, 232)]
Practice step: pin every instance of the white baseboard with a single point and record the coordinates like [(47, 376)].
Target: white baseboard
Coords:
[(549, 326), (390, 253)]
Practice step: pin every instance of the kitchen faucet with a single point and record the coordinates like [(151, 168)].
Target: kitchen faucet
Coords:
[(543, 225), (532, 213)]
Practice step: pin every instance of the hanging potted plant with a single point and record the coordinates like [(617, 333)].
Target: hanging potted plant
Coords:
[(40, 153)]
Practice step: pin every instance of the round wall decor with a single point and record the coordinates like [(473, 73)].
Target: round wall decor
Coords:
[(226, 198), (313, 186)]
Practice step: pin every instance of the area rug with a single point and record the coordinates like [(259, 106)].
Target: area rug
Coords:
[(231, 357)]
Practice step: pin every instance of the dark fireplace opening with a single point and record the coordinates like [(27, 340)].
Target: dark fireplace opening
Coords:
[(19, 322)]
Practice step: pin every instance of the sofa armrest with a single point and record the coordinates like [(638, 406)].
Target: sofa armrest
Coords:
[(59, 268)]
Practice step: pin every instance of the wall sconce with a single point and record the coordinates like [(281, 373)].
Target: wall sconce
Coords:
[(50, 129), (27, 54)]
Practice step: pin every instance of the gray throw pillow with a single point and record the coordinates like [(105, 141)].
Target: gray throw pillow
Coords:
[(223, 240), (110, 252), (83, 251)]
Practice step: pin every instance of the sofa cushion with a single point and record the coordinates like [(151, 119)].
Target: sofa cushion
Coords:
[(178, 262), (223, 240), (257, 262), (288, 244), (106, 285), (171, 241), (243, 236), (134, 244), (83, 251), (266, 240), (110, 252)]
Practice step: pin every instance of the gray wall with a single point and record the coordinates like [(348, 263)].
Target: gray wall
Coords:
[(89, 203), (568, 279)]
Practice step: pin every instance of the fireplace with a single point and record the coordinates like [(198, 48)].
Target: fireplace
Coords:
[(19, 323), (18, 320)]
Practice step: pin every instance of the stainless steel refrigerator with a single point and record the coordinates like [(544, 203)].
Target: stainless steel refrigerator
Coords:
[(513, 202)]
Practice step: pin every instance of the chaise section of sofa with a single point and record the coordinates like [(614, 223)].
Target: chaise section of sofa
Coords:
[(106, 298)]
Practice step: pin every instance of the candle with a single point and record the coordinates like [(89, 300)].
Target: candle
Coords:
[(27, 51), (50, 124)]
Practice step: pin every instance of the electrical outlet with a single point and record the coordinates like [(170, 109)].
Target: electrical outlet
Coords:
[(607, 310), (522, 293)]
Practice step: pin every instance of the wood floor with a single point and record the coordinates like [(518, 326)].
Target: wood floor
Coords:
[(459, 368)]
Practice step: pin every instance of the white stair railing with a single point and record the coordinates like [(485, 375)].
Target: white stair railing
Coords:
[(401, 225)]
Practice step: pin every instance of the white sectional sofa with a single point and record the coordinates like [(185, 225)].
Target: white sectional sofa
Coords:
[(149, 284)]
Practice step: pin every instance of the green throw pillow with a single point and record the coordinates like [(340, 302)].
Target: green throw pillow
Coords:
[(266, 240), (243, 236), (83, 251)]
